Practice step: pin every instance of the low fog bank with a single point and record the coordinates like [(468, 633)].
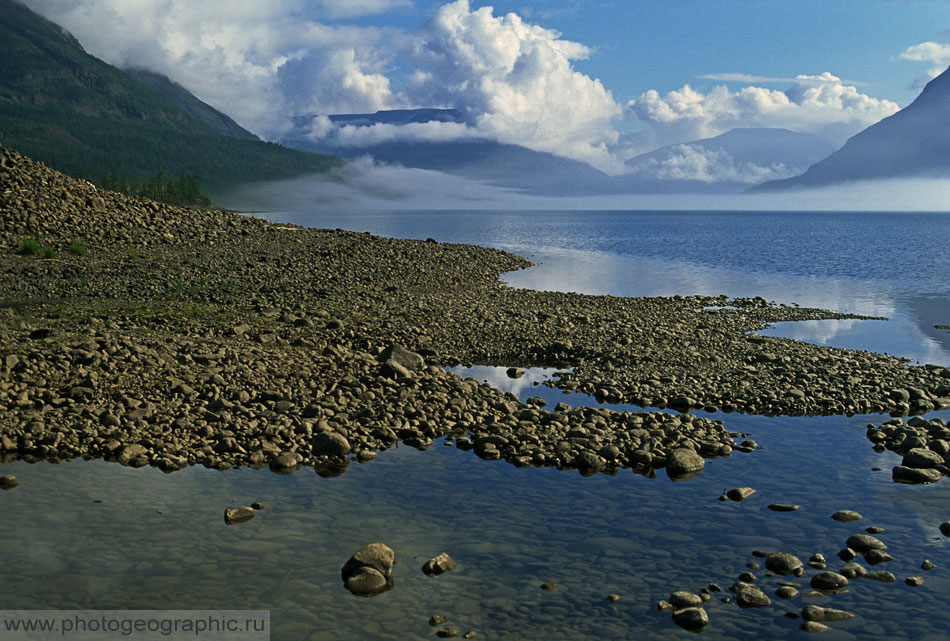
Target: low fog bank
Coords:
[(366, 185)]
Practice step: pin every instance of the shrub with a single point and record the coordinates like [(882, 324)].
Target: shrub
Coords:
[(31, 246), (76, 247)]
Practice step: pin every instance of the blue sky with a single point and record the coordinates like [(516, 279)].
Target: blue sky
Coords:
[(598, 81)]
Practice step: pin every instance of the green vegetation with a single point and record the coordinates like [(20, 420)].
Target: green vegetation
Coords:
[(81, 116), (77, 248), (32, 246), (184, 191)]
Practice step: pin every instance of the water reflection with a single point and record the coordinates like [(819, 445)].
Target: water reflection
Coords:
[(158, 541)]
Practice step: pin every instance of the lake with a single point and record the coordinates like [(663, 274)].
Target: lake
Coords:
[(95, 535)]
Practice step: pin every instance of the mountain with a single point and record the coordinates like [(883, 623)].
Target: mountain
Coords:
[(498, 164), (77, 114), (914, 142), (187, 102), (726, 163)]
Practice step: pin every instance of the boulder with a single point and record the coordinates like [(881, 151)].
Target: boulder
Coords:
[(330, 444), (438, 565), (683, 463), (369, 570), (403, 357)]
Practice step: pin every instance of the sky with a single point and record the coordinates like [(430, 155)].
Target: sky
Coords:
[(598, 81)]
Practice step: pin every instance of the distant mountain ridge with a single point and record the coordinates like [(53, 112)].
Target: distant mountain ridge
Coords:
[(914, 142), (81, 116), (732, 160), (727, 163)]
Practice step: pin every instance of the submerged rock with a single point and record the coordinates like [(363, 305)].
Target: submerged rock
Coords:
[(369, 571), (238, 514), (740, 494), (438, 565), (694, 618), (8, 482), (846, 516), (827, 581), (818, 613)]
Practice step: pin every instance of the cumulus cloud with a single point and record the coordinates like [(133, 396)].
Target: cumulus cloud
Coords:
[(821, 105), (517, 82), (693, 162), (936, 54)]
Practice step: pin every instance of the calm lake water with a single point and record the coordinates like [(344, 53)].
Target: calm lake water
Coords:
[(158, 541)]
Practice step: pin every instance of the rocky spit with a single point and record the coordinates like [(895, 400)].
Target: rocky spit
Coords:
[(170, 337)]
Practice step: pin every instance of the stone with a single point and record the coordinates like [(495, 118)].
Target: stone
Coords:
[(684, 599), (864, 543), (927, 565), (782, 563), (783, 507), (817, 561), (284, 462), (846, 516), (366, 581), (818, 613), (786, 592), (438, 565), (881, 576), (437, 619), (915, 476), (402, 356), (945, 528), (613, 597), (740, 494), (876, 557), (378, 556), (369, 571), (447, 633), (8, 482), (814, 626), (828, 581), (548, 587), (914, 581), (683, 463), (257, 505), (750, 596), (853, 571), (330, 444), (921, 458), (514, 372), (129, 452), (238, 514), (691, 618)]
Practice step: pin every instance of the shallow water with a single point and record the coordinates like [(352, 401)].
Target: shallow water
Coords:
[(159, 541)]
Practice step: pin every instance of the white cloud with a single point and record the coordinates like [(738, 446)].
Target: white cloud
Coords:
[(356, 8), (821, 105), (517, 82), (936, 54), (337, 135), (693, 162)]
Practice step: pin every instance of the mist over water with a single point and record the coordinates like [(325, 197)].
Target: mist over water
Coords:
[(367, 185)]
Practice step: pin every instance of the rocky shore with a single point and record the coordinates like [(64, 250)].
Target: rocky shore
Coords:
[(155, 335)]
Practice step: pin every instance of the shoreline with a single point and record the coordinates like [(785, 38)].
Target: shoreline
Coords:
[(188, 337)]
